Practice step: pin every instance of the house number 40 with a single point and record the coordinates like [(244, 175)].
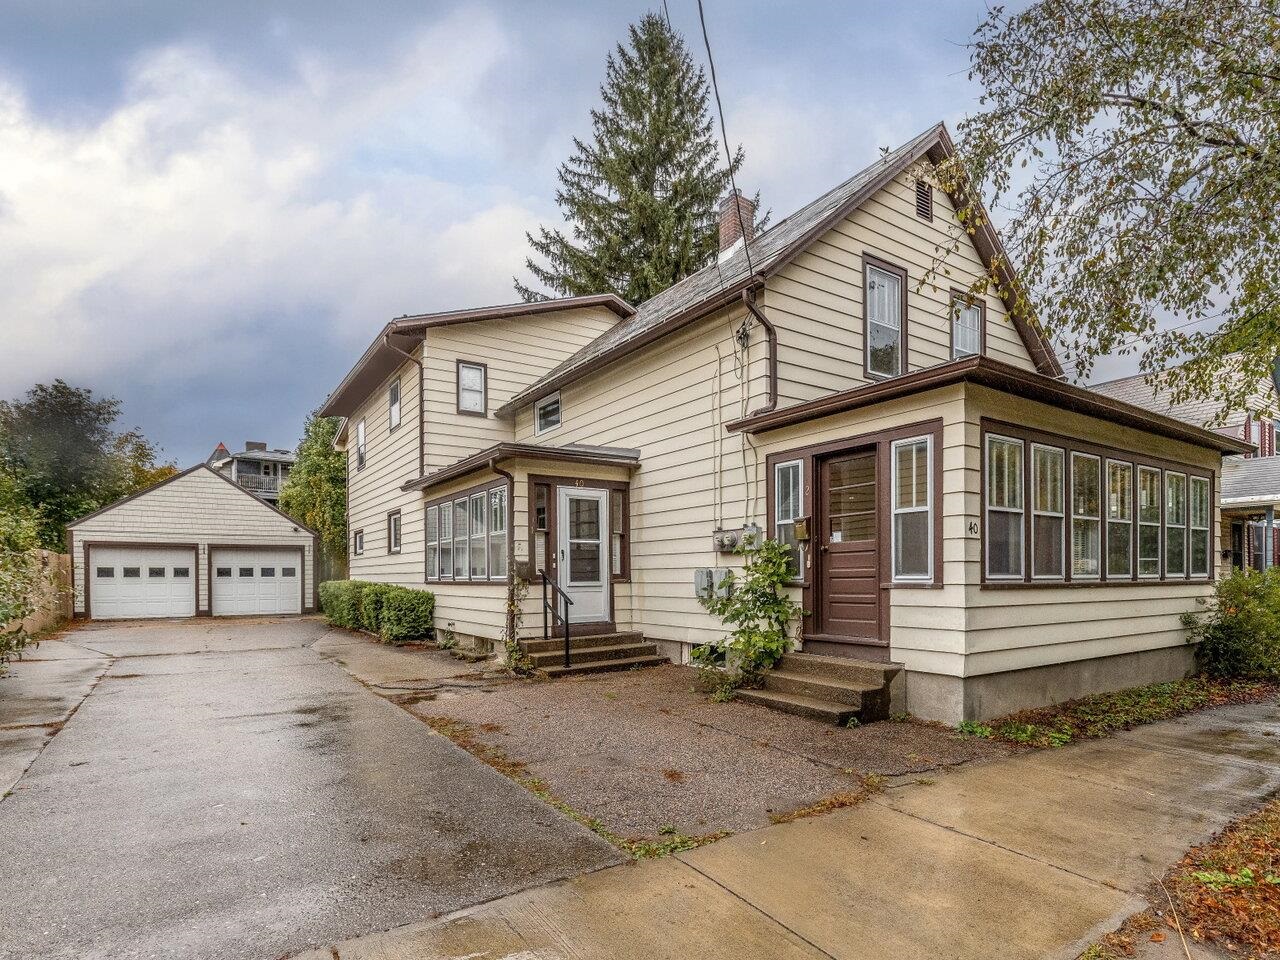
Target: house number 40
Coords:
[(973, 528)]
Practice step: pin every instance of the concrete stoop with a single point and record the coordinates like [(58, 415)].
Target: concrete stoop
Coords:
[(593, 654), (834, 689)]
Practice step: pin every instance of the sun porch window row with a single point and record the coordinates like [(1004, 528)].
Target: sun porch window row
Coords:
[(467, 537)]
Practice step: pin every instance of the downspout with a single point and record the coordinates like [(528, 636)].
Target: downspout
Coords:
[(511, 546), (422, 401), (771, 338)]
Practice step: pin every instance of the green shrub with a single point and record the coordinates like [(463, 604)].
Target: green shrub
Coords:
[(340, 602), (371, 600), (406, 614), (1238, 635)]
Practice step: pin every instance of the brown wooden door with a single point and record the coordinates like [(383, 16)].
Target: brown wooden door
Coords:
[(848, 555)]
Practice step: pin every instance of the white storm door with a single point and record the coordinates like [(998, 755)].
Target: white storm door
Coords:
[(583, 517)]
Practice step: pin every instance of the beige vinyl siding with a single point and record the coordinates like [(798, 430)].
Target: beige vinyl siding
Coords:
[(516, 352), (1027, 627), (391, 460), (197, 508), (816, 300)]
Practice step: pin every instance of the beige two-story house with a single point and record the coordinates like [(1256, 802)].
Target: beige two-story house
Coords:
[(990, 535)]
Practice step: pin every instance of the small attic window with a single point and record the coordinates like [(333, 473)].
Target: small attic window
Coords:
[(924, 200)]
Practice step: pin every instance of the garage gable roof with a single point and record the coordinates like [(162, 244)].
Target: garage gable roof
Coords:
[(180, 475)]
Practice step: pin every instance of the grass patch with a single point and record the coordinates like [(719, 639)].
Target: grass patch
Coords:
[(1106, 713), (1225, 892), (872, 783), (669, 839)]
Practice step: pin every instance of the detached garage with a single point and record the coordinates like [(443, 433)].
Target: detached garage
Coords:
[(197, 544)]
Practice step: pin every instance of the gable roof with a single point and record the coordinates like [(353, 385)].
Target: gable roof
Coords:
[(1146, 391), (720, 283), (186, 473), (386, 353)]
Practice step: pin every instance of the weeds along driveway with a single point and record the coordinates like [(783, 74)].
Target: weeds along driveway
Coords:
[(225, 791)]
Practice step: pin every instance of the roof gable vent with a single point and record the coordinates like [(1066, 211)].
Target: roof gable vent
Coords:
[(924, 200)]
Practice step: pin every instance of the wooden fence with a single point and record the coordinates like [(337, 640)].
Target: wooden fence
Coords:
[(53, 594)]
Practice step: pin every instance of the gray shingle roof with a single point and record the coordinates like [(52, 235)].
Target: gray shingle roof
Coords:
[(765, 249), (1253, 478), (1154, 395)]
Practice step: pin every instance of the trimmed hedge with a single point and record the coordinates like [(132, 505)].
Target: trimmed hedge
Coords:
[(397, 614)]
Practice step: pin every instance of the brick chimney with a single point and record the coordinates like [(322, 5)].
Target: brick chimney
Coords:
[(254, 445), (730, 225)]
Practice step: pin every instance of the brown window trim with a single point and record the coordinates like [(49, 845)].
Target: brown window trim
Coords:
[(1070, 445), (395, 381), (967, 297), (484, 369), (392, 515), (467, 494), (624, 486), (357, 534), (870, 259), (883, 441)]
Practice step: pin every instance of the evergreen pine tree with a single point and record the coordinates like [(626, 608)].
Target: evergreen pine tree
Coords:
[(641, 199)]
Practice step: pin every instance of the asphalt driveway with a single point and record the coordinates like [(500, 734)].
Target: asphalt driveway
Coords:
[(220, 789)]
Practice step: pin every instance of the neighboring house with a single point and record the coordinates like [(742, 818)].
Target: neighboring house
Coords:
[(257, 469), (954, 507), (195, 544), (1250, 491)]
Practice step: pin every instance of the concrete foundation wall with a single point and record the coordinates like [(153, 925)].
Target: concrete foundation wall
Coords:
[(932, 696)]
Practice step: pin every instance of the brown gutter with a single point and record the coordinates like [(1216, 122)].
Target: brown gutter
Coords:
[(422, 399), (771, 338), (512, 451), (1006, 378), (511, 546)]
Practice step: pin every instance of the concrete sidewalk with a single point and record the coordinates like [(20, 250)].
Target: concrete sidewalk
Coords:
[(1033, 857)]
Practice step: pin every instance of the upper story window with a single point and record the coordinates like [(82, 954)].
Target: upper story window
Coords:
[(360, 445), (473, 391), (393, 404), (967, 321), (546, 413), (884, 300)]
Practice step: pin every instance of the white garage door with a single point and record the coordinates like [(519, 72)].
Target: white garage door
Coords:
[(127, 582), (256, 581)]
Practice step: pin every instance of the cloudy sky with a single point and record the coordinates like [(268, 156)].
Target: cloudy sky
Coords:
[(208, 210)]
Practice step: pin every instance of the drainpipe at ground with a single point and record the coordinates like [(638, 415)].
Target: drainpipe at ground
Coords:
[(511, 552)]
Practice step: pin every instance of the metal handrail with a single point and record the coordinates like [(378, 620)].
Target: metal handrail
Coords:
[(548, 607)]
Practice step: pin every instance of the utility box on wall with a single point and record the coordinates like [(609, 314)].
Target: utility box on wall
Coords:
[(711, 581)]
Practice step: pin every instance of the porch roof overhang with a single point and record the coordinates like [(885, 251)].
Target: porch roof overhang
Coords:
[(996, 375), (505, 452)]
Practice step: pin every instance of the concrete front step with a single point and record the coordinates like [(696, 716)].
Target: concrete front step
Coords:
[(600, 666), (800, 705), (870, 672), (579, 643), (820, 688), (615, 651)]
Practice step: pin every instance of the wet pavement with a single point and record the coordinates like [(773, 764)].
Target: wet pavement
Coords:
[(221, 789)]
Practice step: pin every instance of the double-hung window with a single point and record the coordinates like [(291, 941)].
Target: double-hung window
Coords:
[(393, 404), (912, 510), (472, 388), (1086, 516), (1119, 520), (433, 542), (1048, 512), (1200, 515), (1148, 522), (966, 327), (360, 445), (1175, 524), (788, 480), (479, 536), (393, 532), (884, 295), (461, 568), (498, 533), (1004, 500), (445, 570), (546, 413)]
